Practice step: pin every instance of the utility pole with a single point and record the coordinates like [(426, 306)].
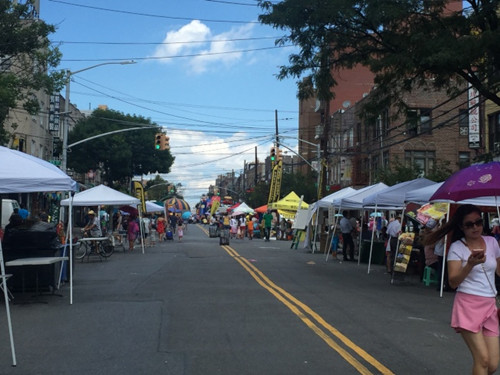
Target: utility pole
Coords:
[(276, 123), (256, 161), (323, 163)]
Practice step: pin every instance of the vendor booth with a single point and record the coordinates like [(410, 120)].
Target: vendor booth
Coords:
[(102, 195), (23, 173)]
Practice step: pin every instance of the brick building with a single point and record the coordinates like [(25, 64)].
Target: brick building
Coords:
[(433, 129)]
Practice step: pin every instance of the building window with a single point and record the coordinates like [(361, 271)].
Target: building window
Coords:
[(494, 137), (463, 159), (418, 121), (424, 160), (463, 121)]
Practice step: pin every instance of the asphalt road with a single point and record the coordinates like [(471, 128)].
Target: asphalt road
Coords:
[(253, 307)]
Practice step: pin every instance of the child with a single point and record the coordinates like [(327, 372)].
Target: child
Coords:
[(180, 230)]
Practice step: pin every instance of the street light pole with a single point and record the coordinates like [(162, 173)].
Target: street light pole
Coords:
[(66, 107)]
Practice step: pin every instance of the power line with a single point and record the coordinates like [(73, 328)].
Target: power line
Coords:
[(165, 43), (232, 3), (176, 105), (179, 56), (231, 126), (149, 14)]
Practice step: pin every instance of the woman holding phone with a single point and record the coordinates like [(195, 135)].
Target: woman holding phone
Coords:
[(473, 260)]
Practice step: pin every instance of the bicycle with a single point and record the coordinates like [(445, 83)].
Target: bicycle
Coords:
[(103, 248)]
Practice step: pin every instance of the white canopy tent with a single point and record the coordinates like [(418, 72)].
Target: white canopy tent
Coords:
[(242, 209), (153, 207), (354, 201), (23, 173), (422, 196), (329, 200), (101, 195), (392, 197), (324, 203)]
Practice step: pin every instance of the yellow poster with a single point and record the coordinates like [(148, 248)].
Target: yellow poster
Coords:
[(139, 194)]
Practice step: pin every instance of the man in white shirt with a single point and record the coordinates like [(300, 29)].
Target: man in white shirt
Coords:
[(393, 231), (347, 242)]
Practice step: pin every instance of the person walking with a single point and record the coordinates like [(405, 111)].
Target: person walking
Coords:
[(393, 231), (267, 219), (347, 242), (132, 232), (282, 226), (249, 224), (180, 229), (146, 230), (160, 228), (233, 223), (473, 259), (243, 226)]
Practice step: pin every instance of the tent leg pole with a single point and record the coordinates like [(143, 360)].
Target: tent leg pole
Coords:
[(7, 307)]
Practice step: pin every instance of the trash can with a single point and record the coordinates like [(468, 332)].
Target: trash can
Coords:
[(213, 231), (224, 237)]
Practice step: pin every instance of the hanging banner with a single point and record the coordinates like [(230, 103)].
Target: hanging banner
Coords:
[(474, 118), (139, 194)]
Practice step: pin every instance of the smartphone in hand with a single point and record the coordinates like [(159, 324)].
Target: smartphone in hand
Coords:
[(477, 253)]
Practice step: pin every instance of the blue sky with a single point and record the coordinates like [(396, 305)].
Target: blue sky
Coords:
[(205, 71)]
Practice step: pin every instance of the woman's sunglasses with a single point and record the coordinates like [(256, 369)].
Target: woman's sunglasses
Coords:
[(470, 224)]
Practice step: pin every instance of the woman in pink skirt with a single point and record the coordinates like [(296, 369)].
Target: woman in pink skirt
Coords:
[(473, 260)]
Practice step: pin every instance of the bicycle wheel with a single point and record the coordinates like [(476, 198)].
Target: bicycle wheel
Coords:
[(81, 250), (106, 248)]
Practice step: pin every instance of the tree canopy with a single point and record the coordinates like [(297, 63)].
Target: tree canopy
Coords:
[(27, 60), (120, 155), (404, 43)]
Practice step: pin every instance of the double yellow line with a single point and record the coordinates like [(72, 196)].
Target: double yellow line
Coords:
[(315, 322)]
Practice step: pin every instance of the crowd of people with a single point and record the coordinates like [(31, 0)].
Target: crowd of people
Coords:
[(127, 226), (264, 226)]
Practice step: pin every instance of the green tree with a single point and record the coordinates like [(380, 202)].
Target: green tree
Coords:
[(27, 60), (156, 189), (301, 184), (258, 197), (400, 172), (121, 155), (404, 43)]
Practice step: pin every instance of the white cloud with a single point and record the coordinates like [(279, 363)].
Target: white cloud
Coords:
[(210, 52), (200, 158)]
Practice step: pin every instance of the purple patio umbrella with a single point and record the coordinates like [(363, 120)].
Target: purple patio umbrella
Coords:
[(481, 180)]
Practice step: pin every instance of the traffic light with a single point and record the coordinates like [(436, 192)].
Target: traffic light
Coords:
[(279, 154), (162, 142), (273, 153), (158, 140)]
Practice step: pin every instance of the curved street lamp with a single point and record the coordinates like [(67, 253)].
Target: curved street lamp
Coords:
[(66, 106)]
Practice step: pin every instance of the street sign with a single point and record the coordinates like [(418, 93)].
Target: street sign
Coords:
[(55, 162)]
